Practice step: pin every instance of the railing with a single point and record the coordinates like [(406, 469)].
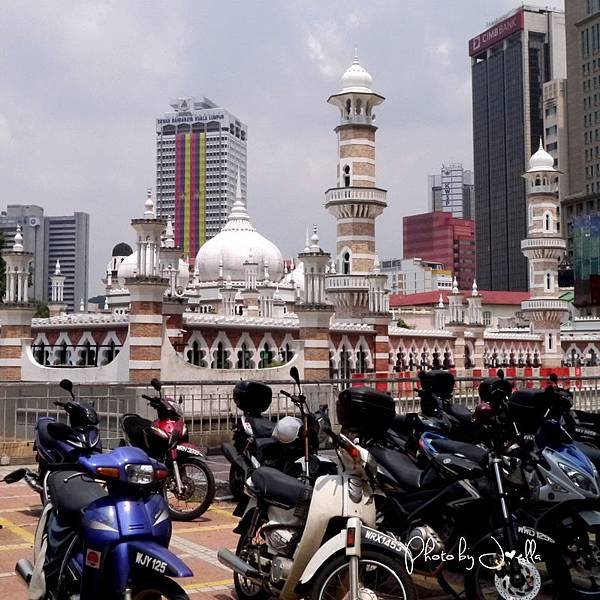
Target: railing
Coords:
[(334, 282), (352, 193), (85, 354), (543, 304), (543, 242), (209, 408)]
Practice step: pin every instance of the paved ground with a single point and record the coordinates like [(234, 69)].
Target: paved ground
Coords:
[(196, 543)]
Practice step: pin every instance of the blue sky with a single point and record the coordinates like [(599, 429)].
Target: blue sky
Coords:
[(82, 83)]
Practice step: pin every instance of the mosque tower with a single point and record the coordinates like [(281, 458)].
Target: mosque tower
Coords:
[(356, 201), (544, 247)]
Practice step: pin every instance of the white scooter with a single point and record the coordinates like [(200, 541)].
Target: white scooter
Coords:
[(298, 541)]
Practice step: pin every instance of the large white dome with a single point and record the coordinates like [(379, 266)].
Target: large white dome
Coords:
[(233, 245)]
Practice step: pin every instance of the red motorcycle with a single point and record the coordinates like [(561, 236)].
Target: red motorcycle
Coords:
[(190, 487)]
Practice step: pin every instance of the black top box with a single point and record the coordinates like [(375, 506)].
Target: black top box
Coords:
[(252, 397), (365, 411), (527, 408), (440, 383)]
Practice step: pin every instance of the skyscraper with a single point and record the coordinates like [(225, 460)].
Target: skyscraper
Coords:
[(510, 62), (452, 191), (199, 150), (67, 240)]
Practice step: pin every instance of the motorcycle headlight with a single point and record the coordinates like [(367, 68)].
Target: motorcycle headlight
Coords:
[(140, 474), (578, 478)]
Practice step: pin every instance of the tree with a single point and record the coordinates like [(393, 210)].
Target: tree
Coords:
[(2, 271), (403, 324), (41, 310)]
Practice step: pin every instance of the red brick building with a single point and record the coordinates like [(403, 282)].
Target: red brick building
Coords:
[(440, 237)]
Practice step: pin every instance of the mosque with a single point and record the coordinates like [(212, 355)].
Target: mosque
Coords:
[(242, 311)]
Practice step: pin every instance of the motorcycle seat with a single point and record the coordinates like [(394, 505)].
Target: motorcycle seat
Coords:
[(279, 489), (71, 497), (461, 413), (262, 428), (266, 447), (470, 451), (400, 466), (134, 427)]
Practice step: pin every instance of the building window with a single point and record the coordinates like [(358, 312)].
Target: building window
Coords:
[(346, 264), (347, 176), (487, 317), (548, 282)]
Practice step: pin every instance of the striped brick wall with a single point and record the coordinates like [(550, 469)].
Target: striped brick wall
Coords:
[(15, 328)]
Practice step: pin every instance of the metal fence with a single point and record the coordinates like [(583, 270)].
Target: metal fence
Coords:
[(209, 407)]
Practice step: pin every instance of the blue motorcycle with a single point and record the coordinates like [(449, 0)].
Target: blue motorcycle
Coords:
[(104, 540)]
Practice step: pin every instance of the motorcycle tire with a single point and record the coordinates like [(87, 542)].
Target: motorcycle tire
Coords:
[(324, 583), (236, 482), (190, 515), (148, 586), (244, 589)]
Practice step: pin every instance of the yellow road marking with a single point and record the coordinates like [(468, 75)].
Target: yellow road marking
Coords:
[(222, 511), (17, 530), (206, 528), (5, 547), (207, 584)]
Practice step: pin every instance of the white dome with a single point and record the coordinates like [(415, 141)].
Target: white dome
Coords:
[(128, 268), (233, 245), (541, 160), (356, 78)]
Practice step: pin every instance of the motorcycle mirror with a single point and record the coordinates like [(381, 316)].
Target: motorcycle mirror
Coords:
[(15, 476), (500, 374), (180, 399), (554, 378), (67, 385), (155, 383), (295, 375)]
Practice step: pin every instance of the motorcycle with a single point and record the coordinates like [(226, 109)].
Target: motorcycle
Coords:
[(56, 442), (104, 540), (319, 541), (257, 441), (190, 487)]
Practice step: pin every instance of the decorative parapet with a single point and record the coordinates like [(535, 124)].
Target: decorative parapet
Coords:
[(79, 320), (429, 333), (351, 326), (241, 322)]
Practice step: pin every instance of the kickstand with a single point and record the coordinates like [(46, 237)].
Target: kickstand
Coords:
[(447, 588)]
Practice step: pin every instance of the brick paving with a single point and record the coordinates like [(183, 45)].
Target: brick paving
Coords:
[(196, 542)]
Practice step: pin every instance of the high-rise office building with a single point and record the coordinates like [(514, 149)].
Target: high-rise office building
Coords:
[(510, 62), (441, 238), (50, 239), (67, 240), (452, 190), (200, 148)]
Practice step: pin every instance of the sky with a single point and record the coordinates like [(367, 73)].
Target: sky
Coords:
[(82, 83)]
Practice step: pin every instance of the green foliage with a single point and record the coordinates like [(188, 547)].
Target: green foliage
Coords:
[(2, 270), (41, 310), (402, 323)]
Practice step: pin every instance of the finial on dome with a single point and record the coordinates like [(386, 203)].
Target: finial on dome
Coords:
[(266, 270), (169, 235), (106, 303), (441, 302), (332, 267), (307, 242), (454, 286), (221, 268), (81, 306), (474, 291), (355, 55), (149, 205), (314, 246), (57, 268), (18, 245), (228, 281)]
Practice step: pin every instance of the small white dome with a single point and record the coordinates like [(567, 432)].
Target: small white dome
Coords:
[(541, 160), (357, 78), (128, 268), (233, 245)]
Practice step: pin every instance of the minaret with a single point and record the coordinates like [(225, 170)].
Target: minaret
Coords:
[(356, 201), (16, 312), (57, 285), (544, 247)]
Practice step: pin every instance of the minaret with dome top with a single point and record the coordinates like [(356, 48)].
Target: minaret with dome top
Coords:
[(356, 201), (543, 247)]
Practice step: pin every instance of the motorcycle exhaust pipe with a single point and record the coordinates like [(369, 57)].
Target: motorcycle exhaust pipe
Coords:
[(24, 569), (235, 563)]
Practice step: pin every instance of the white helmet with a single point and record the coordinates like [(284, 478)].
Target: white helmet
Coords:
[(287, 430)]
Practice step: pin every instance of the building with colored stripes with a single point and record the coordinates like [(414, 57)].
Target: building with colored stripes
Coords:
[(199, 150)]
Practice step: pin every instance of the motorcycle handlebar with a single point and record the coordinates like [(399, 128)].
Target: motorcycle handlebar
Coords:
[(59, 403), (149, 398)]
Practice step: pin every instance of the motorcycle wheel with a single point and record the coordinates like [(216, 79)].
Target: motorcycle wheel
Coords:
[(484, 579), (155, 587), (381, 577), (198, 490), (236, 482), (244, 588)]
